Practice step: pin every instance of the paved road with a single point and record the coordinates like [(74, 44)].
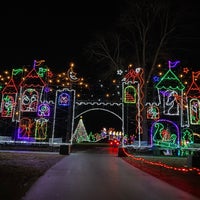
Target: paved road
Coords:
[(101, 175)]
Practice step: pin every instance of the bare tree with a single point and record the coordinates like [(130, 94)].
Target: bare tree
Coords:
[(145, 28), (150, 24), (107, 51)]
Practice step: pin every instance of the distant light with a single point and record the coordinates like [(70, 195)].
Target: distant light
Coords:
[(71, 64), (130, 65), (159, 65), (114, 80)]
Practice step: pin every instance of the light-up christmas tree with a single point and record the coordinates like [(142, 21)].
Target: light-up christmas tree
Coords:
[(80, 133)]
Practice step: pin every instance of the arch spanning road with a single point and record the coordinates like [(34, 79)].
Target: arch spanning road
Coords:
[(101, 175), (102, 109)]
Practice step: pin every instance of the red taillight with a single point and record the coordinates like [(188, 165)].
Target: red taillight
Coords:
[(114, 142)]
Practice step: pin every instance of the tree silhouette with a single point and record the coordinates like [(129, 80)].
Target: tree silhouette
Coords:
[(144, 37)]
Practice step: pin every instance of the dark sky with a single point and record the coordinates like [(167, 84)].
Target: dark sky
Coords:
[(56, 33), (59, 32)]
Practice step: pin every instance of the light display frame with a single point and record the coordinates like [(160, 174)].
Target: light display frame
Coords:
[(28, 103)]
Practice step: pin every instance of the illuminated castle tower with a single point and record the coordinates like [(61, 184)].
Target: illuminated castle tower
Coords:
[(31, 90), (166, 130)]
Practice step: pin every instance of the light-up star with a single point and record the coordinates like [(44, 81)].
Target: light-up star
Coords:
[(49, 74), (185, 70), (119, 72), (156, 78)]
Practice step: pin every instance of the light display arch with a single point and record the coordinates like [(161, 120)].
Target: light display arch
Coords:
[(98, 108), (36, 111), (114, 109)]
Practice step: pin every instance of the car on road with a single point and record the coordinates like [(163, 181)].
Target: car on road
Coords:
[(114, 143)]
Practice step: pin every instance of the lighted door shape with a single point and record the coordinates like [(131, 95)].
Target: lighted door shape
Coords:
[(194, 111), (165, 133), (8, 104), (26, 127), (130, 94), (41, 128), (29, 100)]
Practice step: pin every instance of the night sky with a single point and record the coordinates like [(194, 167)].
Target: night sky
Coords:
[(59, 33)]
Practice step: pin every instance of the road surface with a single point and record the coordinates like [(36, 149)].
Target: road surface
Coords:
[(99, 174)]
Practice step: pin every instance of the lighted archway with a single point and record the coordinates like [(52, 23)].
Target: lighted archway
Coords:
[(98, 120), (103, 109)]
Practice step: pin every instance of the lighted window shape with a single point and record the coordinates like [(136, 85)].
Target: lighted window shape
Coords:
[(29, 101), (187, 137), (25, 130), (171, 106), (130, 94), (44, 110), (165, 133), (194, 111), (64, 99), (8, 104), (41, 128), (153, 112)]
